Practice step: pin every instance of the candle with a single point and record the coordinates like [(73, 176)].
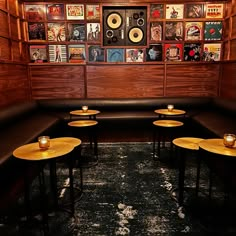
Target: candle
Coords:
[(44, 142), (229, 140), (85, 108), (170, 107)]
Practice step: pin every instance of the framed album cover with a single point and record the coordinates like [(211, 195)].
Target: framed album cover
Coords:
[(193, 30), (77, 53), (115, 55), (156, 11), (211, 52), (92, 12), (57, 53), (213, 30), (194, 10), (55, 12), (214, 10), (154, 52), (38, 53), (56, 32), (174, 30), (36, 31), (174, 11), (75, 11), (156, 29), (192, 51), (35, 12), (93, 32), (76, 32), (173, 52), (134, 55), (96, 53)]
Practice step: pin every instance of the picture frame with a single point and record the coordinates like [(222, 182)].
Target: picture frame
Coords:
[(35, 12), (76, 53), (192, 51), (154, 52), (38, 53), (134, 55), (36, 31), (213, 30), (194, 10), (75, 11), (173, 52), (174, 30), (55, 11), (57, 53), (174, 11), (156, 11), (76, 32), (96, 53), (193, 31), (211, 52), (214, 10), (115, 55), (56, 32), (156, 31), (93, 12), (93, 32)]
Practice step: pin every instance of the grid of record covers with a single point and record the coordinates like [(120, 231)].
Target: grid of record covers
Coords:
[(72, 33)]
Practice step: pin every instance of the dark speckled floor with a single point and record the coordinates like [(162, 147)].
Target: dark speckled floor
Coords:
[(128, 193)]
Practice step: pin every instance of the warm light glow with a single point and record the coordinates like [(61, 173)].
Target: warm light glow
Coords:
[(170, 107), (44, 142), (229, 140), (85, 108)]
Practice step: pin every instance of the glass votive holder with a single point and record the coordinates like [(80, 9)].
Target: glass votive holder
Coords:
[(170, 107), (229, 140), (44, 142), (84, 108)]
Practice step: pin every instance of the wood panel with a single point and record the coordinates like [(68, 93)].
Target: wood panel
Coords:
[(16, 53), (233, 49), (4, 24), (228, 80), (5, 50), (14, 85), (57, 81), (192, 80), (14, 28), (125, 81), (3, 4)]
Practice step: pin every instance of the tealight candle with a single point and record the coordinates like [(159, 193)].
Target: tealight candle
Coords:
[(229, 140), (44, 142), (85, 108), (170, 107)]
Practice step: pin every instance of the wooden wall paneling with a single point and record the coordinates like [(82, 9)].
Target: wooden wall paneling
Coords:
[(5, 49), (233, 49), (225, 50), (16, 52), (3, 4), (12, 6), (125, 81), (195, 80), (228, 80), (233, 28), (57, 81), (14, 28), (4, 30), (14, 84)]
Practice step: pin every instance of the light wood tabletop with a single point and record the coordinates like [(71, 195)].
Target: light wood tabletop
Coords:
[(83, 113), (190, 143), (166, 112), (217, 146), (82, 123), (32, 152), (168, 123), (71, 140)]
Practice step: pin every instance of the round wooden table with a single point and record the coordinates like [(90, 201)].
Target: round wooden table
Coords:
[(90, 113), (183, 144), (166, 112)]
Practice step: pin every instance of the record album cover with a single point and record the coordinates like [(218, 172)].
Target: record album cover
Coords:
[(75, 11), (55, 12), (156, 11), (57, 53), (173, 52), (93, 31), (156, 31), (192, 52), (36, 31), (194, 10), (193, 30), (38, 53), (35, 12), (56, 32), (134, 55), (211, 52), (214, 10), (213, 30), (92, 12), (96, 53), (115, 55), (174, 30), (77, 53), (154, 52), (76, 32), (174, 11)]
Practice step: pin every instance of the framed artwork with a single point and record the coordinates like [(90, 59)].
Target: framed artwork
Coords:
[(213, 30), (156, 29), (96, 53), (193, 30), (38, 53), (57, 53), (211, 52), (194, 10), (154, 52), (56, 32), (55, 12), (93, 31), (156, 11), (36, 31), (92, 12), (134, 55), (77, 53), (192, 52), (115, 55), (174, 30), (173, 52), (76, 32), (75, 11), (35, 12), (174, 11), (214, 10)]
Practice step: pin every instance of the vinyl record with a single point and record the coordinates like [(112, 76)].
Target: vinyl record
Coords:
[(114, 20), (135, 35)]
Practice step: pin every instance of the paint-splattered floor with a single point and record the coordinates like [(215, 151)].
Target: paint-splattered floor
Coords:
[(128, 193)]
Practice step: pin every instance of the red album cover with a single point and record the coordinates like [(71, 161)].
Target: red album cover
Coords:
[(173, 52), (55, 12), (34, 12)]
